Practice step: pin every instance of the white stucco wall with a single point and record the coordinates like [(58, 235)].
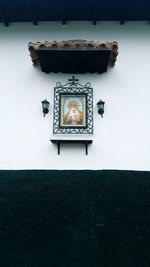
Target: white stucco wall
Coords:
[(121, 140)]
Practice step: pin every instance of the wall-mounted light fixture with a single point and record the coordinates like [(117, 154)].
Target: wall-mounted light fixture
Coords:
[(45, 106), (100, 105)]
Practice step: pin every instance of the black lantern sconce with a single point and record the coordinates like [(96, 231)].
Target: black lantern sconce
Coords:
[(45, 106), (100, 105)]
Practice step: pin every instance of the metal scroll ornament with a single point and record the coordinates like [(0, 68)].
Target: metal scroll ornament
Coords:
[(73, 108)]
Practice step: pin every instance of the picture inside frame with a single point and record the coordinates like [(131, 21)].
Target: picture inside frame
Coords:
[(73, 110)]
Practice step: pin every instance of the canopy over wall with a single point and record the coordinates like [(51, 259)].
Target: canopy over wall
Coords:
[(73, 56)]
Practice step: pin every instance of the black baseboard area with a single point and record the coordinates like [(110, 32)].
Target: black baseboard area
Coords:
[(74, 218)]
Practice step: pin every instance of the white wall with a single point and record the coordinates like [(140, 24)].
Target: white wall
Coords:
[(121, 140)]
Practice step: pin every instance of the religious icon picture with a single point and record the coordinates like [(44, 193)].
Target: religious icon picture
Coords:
[(73, 109)]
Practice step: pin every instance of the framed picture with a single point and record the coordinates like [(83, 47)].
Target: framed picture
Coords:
[(73, 110)]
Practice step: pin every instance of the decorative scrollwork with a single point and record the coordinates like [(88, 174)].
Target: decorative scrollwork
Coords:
[(88, 85), (58, 84), (73, 88)]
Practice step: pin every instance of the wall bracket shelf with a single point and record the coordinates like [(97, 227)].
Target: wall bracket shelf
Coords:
[(58, 142)]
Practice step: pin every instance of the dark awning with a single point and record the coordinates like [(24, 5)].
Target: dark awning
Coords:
[(73, 56)]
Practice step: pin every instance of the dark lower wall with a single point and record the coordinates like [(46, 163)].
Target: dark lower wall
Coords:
[(74, 219)]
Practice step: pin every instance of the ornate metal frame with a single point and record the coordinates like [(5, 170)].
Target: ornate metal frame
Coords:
[(73, 88)]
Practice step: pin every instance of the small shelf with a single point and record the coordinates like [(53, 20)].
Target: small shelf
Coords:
[(58, 142)]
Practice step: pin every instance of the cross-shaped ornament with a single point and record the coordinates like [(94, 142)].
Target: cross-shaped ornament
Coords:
[(73, 80)]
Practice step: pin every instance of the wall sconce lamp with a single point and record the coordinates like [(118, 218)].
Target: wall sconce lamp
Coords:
[(45, 106), (100, 105)]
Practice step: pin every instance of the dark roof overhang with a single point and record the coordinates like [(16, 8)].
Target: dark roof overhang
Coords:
[(73, 10)]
